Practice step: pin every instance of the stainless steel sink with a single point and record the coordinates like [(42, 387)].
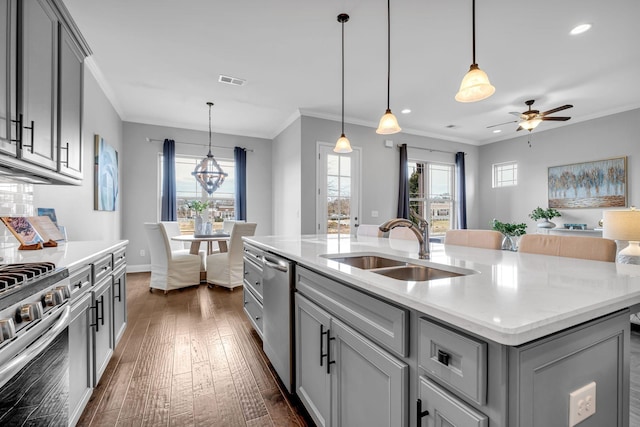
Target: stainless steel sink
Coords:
[(368, 262), (417, 273)]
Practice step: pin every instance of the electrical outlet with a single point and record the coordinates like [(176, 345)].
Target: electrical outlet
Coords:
[(142, 252), (582, 403), (374, 214)]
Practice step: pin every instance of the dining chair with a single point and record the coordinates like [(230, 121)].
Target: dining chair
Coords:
[(371, 230), (169, 269), (593, 248), (225, 268), (487, 239), (172, 229)]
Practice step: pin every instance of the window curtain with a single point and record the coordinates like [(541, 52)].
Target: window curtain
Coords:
[(169, 198), (240, 158), (461, 213), (403, 188)]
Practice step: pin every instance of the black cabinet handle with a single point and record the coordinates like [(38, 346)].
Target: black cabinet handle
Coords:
[(66, 162), (102, 309), (329, 362), (443, 357), (95, 307), (419, 412), (33, 131), (322, 334), (119, 296), (18, 139)]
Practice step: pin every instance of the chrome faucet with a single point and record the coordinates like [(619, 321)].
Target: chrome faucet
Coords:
[(421, 232)]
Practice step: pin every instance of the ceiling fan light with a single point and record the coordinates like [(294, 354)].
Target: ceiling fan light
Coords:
[(343, 145), (530, 124), (388, 124), (475, 86)]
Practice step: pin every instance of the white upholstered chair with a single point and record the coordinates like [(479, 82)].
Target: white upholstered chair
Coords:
[(371, 230), (594, 248), (225, 268), (172, 229), (487, 239), (169, 269)]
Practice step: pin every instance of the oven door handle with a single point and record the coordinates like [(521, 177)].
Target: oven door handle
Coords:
[(8, 370)]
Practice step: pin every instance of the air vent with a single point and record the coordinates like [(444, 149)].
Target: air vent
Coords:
[(231, 80), (451, 126)]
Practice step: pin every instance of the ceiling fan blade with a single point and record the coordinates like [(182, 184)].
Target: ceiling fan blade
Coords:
[(556, 119), (505, 123), (555, 110), (515, 113)]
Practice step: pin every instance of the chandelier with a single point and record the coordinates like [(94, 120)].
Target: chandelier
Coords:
[(208, 172)]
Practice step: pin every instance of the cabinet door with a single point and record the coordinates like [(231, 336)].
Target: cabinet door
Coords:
[(443, 409), (8, 44), (103, 326), (119, 304), (312, 378), (80, 356), (37, 81), (70, 106), (369, 386)]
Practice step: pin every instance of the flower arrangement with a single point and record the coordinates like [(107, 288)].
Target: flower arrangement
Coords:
[(546, 214), (509, 228), (197, 206)]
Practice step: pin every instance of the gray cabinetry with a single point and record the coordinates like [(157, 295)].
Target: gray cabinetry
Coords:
[(119, 304), (439, 408), (80, 356), (343, 378), (252, 289), (103, 326), (8, 48)]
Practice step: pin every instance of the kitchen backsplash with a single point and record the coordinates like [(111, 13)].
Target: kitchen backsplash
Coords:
[(16, 199)]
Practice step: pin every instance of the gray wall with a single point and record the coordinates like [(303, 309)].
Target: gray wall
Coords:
[(286, 180), (606, 137), (380, 167), (74, 204), (141, 176)]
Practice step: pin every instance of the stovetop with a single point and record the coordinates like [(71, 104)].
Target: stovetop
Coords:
[(19, 281)]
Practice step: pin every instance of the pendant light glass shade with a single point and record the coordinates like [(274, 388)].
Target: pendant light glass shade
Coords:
[(530, 124), (388, 124), (208, 172), (342, 144), (475, 85)]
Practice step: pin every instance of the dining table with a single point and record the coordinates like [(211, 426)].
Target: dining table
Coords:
[(197, 239)]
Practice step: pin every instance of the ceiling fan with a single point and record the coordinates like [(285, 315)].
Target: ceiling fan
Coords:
[(531, 118)]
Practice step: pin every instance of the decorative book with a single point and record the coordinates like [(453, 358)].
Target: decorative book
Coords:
[(27, 234)]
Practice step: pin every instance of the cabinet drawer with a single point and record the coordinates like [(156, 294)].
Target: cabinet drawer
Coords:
[(80, 281), (455, 359), (253, 254), (384, 323), (253, 277), (119, 257), (102, 268), (445, 409), (253, 310)]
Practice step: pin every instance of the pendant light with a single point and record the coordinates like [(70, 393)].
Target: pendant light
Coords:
[(342, 144), (388, 123), (475, 85), (208, 172)]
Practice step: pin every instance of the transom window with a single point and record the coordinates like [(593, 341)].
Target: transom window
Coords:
[(505, 174)]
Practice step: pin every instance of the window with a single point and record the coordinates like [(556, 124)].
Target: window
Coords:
[(505, 174), (431, 191), (222, 201)]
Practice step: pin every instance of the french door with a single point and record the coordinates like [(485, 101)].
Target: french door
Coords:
[(338, 184)]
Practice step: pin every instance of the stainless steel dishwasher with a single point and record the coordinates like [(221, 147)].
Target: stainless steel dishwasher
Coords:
[(277, 289)]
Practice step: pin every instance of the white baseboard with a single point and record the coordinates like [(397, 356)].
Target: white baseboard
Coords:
[(138, 268)]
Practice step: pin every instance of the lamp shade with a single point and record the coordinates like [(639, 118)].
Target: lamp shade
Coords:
[(475, 86), (388, 124), (342, 145), (623, 225)]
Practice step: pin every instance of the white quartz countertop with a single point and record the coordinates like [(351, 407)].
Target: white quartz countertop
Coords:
[(66, 254), (510, 298)]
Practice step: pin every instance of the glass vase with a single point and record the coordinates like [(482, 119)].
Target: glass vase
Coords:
[(510, 243)]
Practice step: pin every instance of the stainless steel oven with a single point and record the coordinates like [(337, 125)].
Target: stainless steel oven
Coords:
[(34, 347)]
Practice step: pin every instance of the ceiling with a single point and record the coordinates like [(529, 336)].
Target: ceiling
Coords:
[(159, 61)]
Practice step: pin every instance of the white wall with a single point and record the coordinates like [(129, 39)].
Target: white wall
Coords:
[(74, 204), (141, 178), (286, 181), (606, 137), (380, 166)]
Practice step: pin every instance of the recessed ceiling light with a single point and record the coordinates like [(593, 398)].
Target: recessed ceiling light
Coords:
[(579, 29), (406, 111), (497, 131)]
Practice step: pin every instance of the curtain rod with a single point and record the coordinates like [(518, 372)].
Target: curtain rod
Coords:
[(431, 149), (194, 143)]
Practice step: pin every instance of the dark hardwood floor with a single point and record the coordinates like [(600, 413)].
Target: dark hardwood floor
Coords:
[(191, 358), (188, 358)]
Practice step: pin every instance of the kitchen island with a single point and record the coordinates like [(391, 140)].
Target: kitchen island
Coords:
[(504, 343)]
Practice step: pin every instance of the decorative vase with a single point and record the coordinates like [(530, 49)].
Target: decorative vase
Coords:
[(546, 224), (510, 243), (197, 228)]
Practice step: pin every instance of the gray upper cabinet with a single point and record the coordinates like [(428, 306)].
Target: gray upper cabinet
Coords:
[(37, 82), (8, 47)]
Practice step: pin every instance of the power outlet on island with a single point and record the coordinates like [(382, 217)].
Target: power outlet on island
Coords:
[(582, 404)]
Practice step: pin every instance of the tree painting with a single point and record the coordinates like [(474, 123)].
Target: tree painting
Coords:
[(599, 184)]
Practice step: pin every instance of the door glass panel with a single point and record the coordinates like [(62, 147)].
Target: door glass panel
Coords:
[(338, 194)]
